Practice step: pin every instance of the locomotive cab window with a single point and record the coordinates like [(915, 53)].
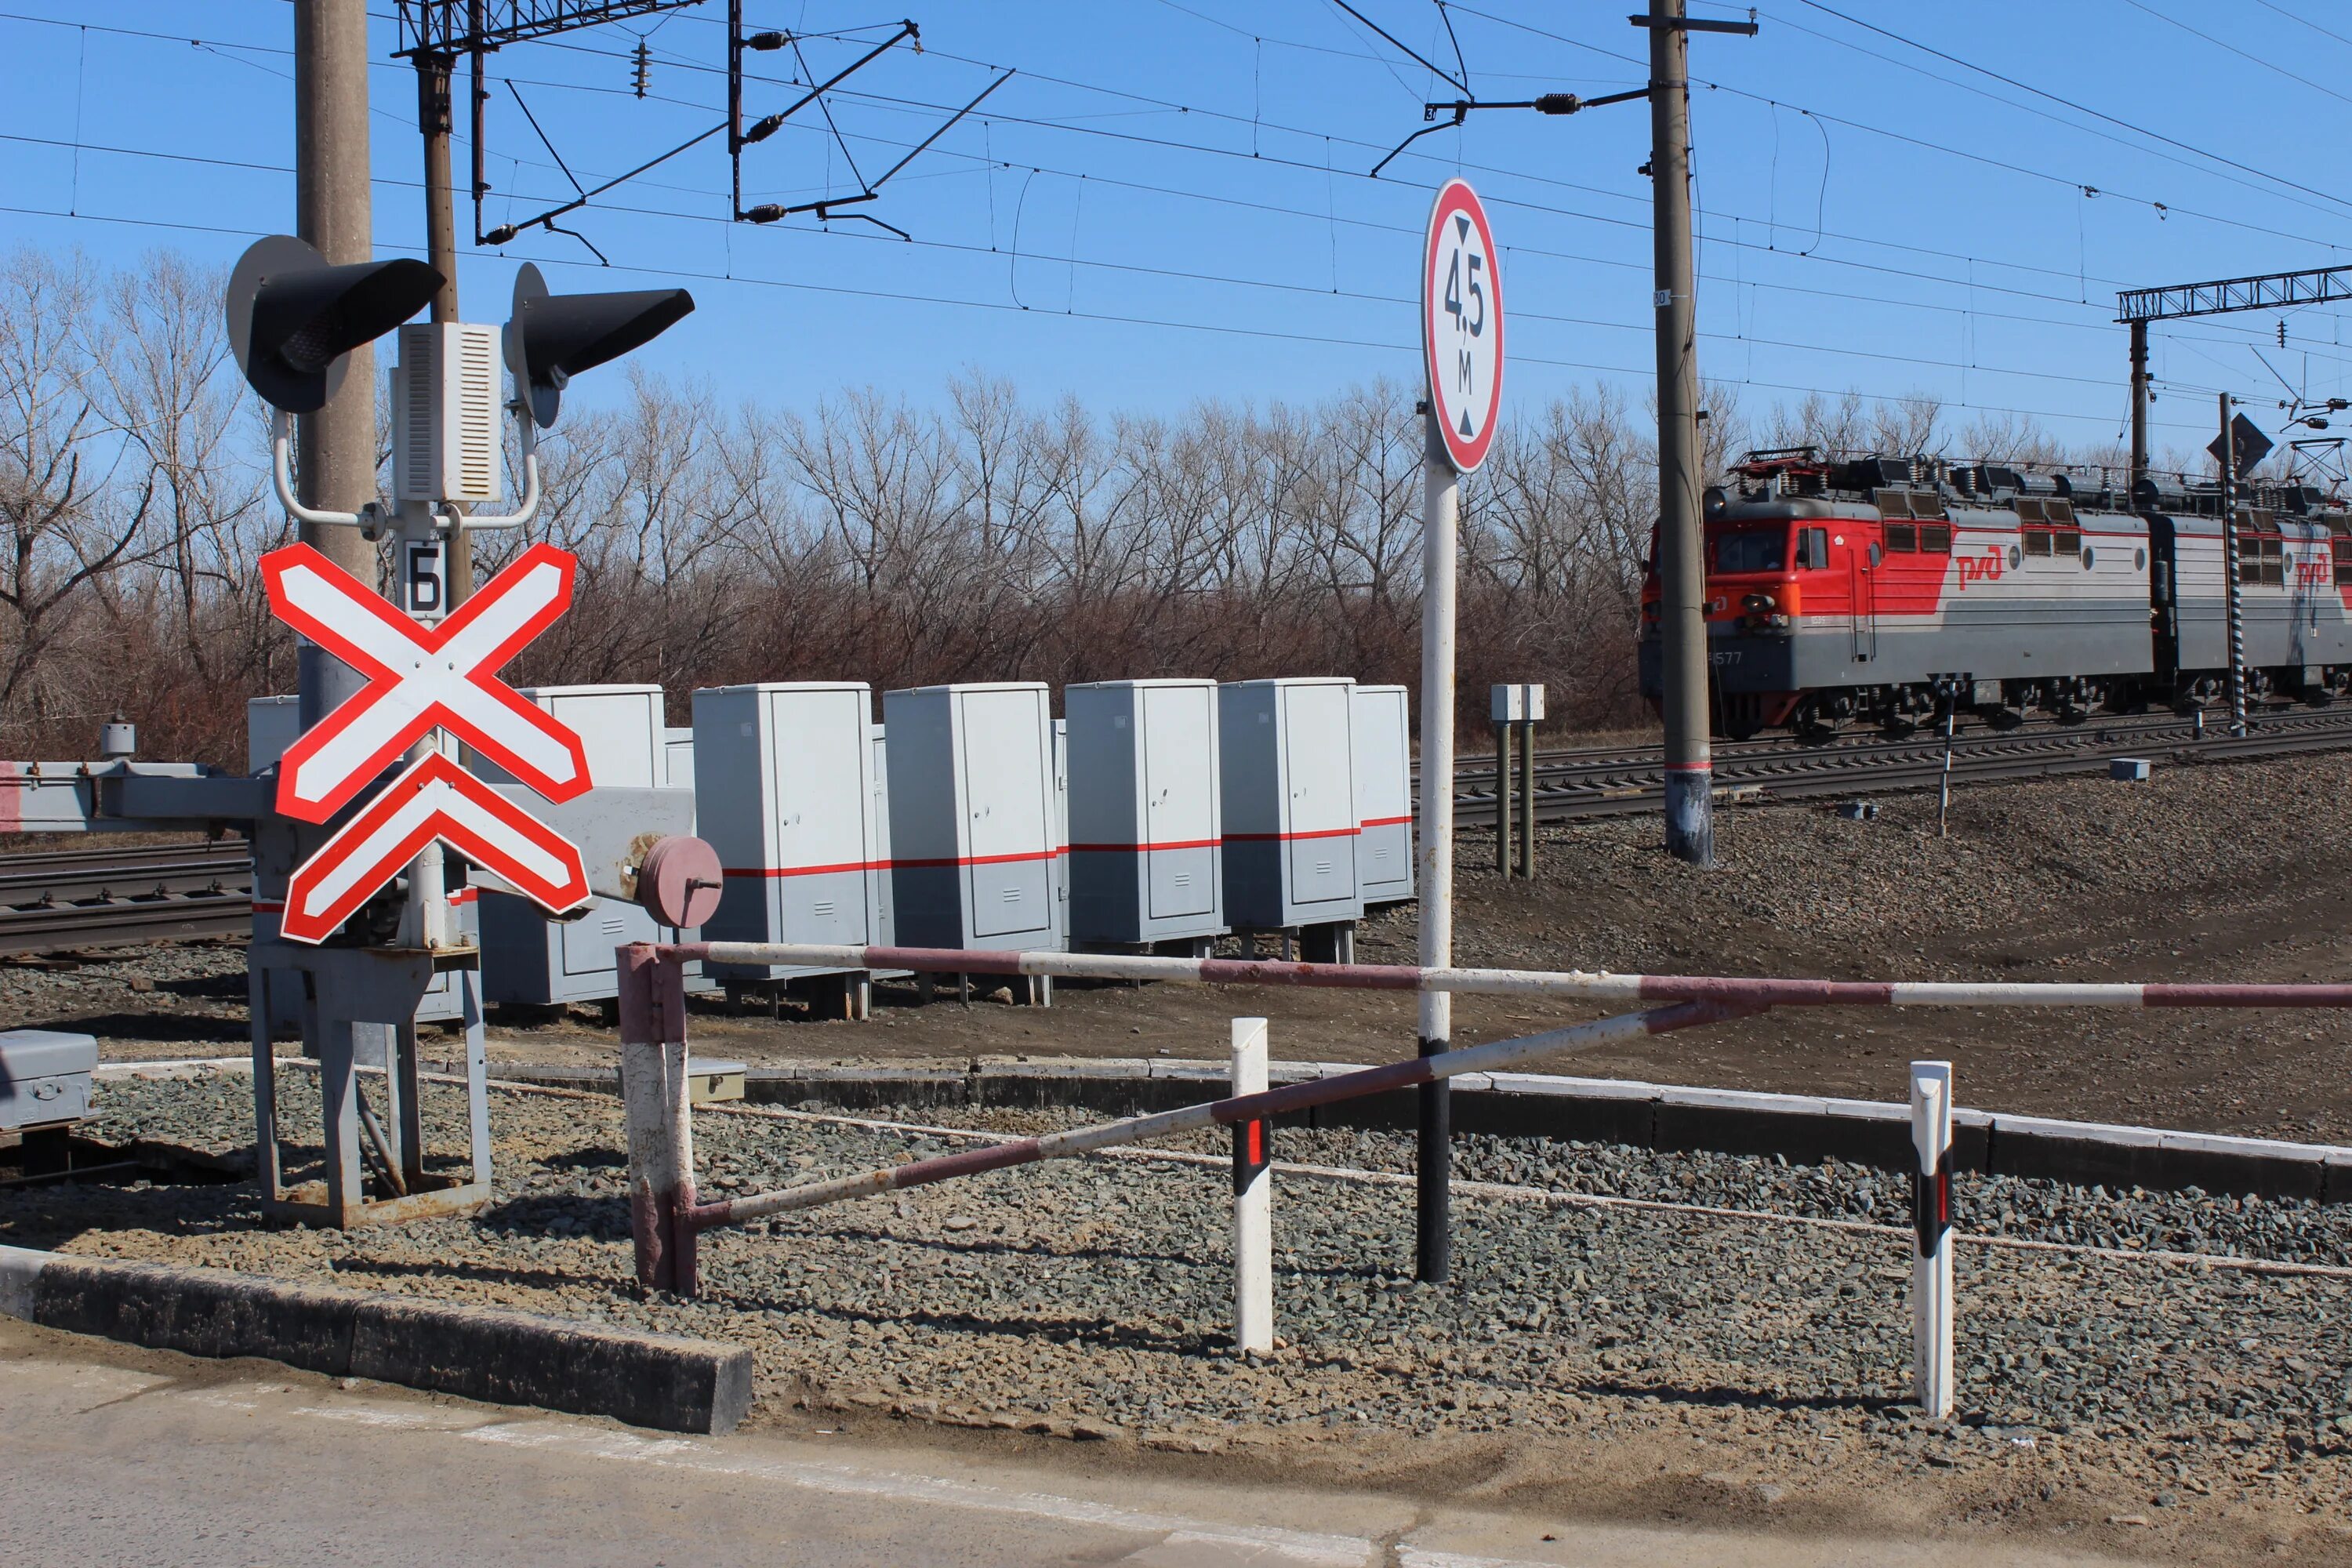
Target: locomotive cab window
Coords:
[(1812, 549), (1751, 550)]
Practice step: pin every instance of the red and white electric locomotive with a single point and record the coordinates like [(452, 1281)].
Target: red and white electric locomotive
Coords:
[(1876, 589)]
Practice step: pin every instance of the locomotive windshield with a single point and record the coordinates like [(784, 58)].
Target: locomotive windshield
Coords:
[(1751, 550)]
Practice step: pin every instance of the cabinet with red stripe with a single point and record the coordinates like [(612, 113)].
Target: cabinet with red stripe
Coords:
[(1381, 730), (1287, 796), (1145, 826), (784, 791), (975, 821)]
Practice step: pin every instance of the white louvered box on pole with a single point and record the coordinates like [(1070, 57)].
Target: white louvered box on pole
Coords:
[(974, 823), (1381, 724), (272, 724), (785, 791), (529, 959), (1287, 798), (1145, 824)]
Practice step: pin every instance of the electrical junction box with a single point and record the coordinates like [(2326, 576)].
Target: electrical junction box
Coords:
[(885, 929), (445, 413), (272, 724), (784, 792), (1144, 812), (1522, 704), (528, 958), (45, 1078), (1061, 861), (1287, 798), (678, 757), (974, 825), (1381, 724)]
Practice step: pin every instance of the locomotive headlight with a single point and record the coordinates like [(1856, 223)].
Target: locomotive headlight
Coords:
[(1758, 603)]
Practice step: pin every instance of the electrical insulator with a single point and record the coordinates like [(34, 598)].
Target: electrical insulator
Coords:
[(640, 70)]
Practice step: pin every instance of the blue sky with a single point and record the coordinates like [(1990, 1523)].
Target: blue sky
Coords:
[(1168, 201)]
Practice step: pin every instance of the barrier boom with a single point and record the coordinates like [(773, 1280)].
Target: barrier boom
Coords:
[(1565, 984)]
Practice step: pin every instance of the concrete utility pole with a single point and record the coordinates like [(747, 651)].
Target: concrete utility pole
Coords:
[(435, 123), (1681, 571), (336, 446)]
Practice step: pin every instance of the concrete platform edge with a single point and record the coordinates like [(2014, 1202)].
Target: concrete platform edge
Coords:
[(493, 1354)]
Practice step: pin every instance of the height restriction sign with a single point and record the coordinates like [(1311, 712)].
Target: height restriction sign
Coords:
[(1462, 324)]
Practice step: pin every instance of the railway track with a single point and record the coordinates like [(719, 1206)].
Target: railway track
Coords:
[(1626, 781), (115, 895), (109, 895)]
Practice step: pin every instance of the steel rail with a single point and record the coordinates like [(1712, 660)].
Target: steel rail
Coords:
[(1626, 783), (117, 894)]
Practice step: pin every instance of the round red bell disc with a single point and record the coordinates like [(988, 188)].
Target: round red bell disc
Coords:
[(678, 883)]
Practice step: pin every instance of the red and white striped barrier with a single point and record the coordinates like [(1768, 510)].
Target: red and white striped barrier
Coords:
[(1563, 984)]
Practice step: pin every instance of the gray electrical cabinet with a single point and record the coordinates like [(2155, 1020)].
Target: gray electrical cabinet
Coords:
[(974, 822), (678, 757), (527, 957), (1286, 762), (885, 929), (1381, 725), (272, 724), (1144, 819), (785, 791)]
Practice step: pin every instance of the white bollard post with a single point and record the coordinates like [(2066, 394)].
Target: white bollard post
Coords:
[(1253, 1200), (1931, 1252)]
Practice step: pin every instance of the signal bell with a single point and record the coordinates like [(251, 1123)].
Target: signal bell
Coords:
[(551, 337), (293, 320)]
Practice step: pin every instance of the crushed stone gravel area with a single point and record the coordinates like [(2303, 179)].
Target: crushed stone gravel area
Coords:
[(1737, 1365)]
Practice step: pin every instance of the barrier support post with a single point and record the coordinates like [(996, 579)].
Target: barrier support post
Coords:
[(1931, 1252), (654, 1109), (1253, 1199)]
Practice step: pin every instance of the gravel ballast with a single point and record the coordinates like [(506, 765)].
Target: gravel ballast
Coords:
[(1092, 1298)]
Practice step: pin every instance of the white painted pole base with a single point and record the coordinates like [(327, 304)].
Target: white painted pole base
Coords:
[(1253, 1200), (1931, 1251)]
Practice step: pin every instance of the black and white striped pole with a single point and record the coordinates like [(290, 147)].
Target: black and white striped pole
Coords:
[(2228, 463), (1253, 1200), (1931, 1251)]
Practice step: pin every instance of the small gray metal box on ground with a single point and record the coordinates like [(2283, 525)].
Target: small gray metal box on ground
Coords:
[(271, 725), (528, 958), (973, 820), (784, 791), (1380, 727), (1287, 798), (1145, 824), (45, 1076), (2128, 770)]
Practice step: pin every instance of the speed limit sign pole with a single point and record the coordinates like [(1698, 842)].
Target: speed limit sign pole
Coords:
[(1462, 340)]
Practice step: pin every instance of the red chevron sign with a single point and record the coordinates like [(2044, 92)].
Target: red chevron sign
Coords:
[(432, 799)]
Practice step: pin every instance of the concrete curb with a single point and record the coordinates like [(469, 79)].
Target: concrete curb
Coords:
[(488, 1353), (1807, 1129)]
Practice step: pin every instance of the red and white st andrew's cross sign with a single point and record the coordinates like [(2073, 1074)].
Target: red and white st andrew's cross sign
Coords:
[(421, 678)]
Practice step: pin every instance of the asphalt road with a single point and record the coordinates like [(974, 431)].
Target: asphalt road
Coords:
[(116, 1457)]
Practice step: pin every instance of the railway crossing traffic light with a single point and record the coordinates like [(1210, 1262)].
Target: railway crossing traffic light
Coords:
[(293, 319), (551, 337)]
